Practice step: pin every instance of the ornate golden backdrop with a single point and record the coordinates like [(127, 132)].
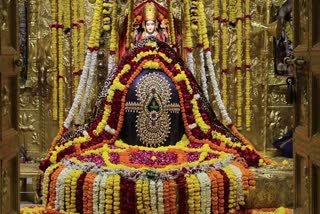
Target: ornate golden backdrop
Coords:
[(271, 116)]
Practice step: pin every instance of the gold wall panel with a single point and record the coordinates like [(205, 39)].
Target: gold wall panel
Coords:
[(269, 109)]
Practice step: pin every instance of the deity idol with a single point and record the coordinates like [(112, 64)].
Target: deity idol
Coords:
[(154, 145)]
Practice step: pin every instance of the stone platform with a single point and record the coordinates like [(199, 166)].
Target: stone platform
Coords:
[(274, 187)]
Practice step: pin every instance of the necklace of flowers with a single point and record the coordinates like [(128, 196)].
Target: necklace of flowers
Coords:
[(248, 64), (60, 186), (46, 181), (239, 65), (129, 23)]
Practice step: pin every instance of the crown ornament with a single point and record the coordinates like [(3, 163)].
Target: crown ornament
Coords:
[(150, 12)]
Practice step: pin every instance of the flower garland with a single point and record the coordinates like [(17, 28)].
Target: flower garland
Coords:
[(153, 196), (224, 58), (66, 15), (139, 197), (46, 182), (204, 44), (116, 194), (145, 196), (205, 186), (52, 186), (107, 8), (129, 24), (109, 194), (239, 65), (160, 195), (60, 76), (75, 48), (248, 64), (232, 12), (172, 27), (54, 27), (88, 190), (188, 41), (216, 39), (102, 193), (113, 37), (60, 186), (81, 23)]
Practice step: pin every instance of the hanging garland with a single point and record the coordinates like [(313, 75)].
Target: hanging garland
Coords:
[(172, 27), (248, 64), (60, 63), (224, 59), (54, 27), (188, 43), (129, 24), (232, 12), (81, 36), (239, 65), (216, 39), (75, 47)]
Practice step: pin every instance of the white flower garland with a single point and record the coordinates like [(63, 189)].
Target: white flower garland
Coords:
[(153, 196), (205, 185), (88, 87), (102, 193), (240, 194), (96, 185), (190, 61), (78, 96), (216, 90), (60, 186), (111, 60), (160, 197), (203, 75)]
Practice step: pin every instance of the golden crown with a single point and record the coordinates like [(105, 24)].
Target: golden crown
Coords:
[(150, 12)]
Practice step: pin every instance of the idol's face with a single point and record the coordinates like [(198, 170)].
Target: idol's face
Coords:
[(150, 26)]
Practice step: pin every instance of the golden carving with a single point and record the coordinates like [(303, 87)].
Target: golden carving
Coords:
[(5, 188), (4, 16)]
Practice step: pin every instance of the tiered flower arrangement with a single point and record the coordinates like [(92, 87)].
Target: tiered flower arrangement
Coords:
[(205, 149)]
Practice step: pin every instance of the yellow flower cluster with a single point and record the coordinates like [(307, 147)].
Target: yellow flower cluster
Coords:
[(96, 25), (151, 65), (183, 77), (113, 37), (189, 44)]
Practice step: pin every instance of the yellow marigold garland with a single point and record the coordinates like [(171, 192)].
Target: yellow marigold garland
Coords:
[(66, 15), (224, 53), (216, 39), (116, 194), (232, 12), (187, 20), (248, 65), (172, 27), (81, 34), (239, 65), (129, 28), (96, 23), (75, 48), (113, 37), (109, 194), (54, 58), (60, 64), (139, 197)]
